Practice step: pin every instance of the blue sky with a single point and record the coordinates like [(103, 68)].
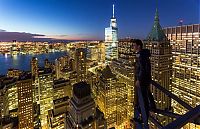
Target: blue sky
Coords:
[(86, 19)]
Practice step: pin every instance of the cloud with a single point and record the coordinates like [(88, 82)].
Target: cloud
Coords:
[(23, 36), (56, 37), (67, 37), (2, 30), (19, 36)]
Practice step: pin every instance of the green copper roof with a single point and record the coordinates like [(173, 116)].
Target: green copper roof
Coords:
[(156, 34)]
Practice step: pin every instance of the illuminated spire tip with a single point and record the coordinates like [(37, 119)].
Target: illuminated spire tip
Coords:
[(113, 10)]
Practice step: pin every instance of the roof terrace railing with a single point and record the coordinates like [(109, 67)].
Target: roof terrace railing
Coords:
[(192, 116)]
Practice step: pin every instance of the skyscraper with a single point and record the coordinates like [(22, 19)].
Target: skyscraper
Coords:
[(34, 67), (10, 95), (124, 68), (34, 72), (112, 99), (81, 108), (111, 39), (25, 101), (61, 88), (186, 65), (80, 63), (15, 73), (45, 94), (57, 68), (46, 63), (161, 64), (57, 115)]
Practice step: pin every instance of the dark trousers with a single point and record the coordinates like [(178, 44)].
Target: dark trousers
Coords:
[(147, 98)]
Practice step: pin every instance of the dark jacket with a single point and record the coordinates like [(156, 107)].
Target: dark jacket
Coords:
[(143, 66)]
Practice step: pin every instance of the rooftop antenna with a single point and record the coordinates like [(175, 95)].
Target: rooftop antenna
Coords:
[(181, 22), (156, 4), (113, 10), (156, 15)]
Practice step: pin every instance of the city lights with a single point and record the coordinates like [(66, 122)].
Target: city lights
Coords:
[(52, 83)]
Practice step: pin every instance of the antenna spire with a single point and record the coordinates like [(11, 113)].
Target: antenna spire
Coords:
[(113, 10), (156, 15), (156, 4)]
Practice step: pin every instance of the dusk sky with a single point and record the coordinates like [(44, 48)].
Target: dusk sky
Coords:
[(86, 19)]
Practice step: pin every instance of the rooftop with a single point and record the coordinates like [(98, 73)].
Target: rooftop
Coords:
[(81, 89), (60, 100), (107, 73)]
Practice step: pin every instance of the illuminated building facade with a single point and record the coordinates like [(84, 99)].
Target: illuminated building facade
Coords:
[(112, 99), (61, 88), (80, 63), (57, 116), (57, 68), (62, 67), (96, 52), (36, 112), (34, 72), (185, 41), (34, 67), (161, 65), (9, 123), (111, 39), (81, 108), (25, 101), (15, 73), (1, 100), (124, 68), (47, 64), (45, 93), (10, 95), (61, 64)]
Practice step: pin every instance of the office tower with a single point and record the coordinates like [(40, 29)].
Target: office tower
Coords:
[(34, 67), (1, 99), (93, 79), (96, 51), (61, 64), (46, 64), (25, 101), (126, 50), (36, 112), (45, 93), (57, 116), (2, 92), (9, 123), (61, 88), (64, 61), (72, 64), (112, 99), (15, 73), (185, 41), (111, 39), (10, 96), (81, 108), (124, 68), (80, 63), (161, 65), (100, 120), (101, 55), (57, 68), (34, 72), (13, 49)]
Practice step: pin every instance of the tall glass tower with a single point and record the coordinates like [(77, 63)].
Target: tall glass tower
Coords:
[(111, 39)]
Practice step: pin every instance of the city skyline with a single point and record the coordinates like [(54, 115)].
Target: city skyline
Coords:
[(75, 20), (69, 64)]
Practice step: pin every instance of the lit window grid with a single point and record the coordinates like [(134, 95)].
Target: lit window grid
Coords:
[(186, 67)]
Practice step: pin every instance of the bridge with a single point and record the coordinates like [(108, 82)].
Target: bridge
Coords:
[(192, 116)]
